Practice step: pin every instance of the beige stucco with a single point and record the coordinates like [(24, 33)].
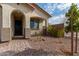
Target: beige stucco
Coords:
[(0, 20), (43, 19), (28, 12)]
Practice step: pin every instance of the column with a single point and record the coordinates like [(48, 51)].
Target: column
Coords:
[(6, 25), (27, 26)]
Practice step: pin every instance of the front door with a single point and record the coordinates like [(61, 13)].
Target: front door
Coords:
[(18, 28)]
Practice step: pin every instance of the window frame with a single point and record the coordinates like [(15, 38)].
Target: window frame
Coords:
[(34, 21)]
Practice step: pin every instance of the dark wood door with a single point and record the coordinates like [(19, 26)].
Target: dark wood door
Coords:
[(18, 27)]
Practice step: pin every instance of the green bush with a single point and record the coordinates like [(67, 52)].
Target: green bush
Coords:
[(60, 33), (52, 31)]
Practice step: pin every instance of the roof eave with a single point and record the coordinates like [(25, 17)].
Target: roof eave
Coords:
[(40, 9)]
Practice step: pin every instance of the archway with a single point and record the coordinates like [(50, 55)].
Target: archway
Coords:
[(18, 23)]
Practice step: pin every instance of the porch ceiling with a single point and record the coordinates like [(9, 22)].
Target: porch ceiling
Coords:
[(17, 15), (37, 18)]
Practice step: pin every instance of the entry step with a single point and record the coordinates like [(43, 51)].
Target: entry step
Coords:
[(18, 37)]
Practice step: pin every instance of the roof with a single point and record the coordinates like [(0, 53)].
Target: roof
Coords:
[(29, 5), (35, 6)]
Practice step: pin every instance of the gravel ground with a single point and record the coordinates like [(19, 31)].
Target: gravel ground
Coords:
[(36, 46)]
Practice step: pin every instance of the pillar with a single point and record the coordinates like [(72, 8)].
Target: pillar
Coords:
[(27, 26), (6, 25)]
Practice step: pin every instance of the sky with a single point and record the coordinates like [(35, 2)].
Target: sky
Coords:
[(57, 10)]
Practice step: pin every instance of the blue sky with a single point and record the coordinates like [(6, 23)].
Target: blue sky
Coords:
[(57, 10)]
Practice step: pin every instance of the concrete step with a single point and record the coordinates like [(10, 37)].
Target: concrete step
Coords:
[(18, 37)]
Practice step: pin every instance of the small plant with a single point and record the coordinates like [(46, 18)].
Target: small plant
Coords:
[(53, 31), (60, 33)]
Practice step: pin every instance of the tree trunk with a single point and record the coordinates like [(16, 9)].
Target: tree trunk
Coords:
[(71, 37), (76, 42)]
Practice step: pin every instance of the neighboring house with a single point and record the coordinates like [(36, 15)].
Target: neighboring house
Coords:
[(21, 20)]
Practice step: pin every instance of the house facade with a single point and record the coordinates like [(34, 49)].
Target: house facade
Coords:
[(21, 20)]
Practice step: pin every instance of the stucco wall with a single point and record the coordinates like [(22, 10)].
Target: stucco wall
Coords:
[(0, 20), (6, 24), (7, 9), (27, 25), (38, 13), (37, 31), (46, 17), (43, 19)]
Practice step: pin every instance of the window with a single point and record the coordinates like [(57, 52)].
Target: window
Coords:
[(34, 24)]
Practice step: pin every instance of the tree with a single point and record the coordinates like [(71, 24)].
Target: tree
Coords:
[(76, 29), (72, 15)]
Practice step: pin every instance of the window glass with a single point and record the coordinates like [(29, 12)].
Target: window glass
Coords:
[(34, 24)]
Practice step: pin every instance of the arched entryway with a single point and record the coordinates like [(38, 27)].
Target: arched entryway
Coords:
[(18, 23)]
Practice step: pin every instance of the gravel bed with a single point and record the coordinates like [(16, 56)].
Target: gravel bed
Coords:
[(36, 46)]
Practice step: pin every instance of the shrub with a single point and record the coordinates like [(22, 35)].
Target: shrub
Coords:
[(60, 33), (53, 31), (49, 30)]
